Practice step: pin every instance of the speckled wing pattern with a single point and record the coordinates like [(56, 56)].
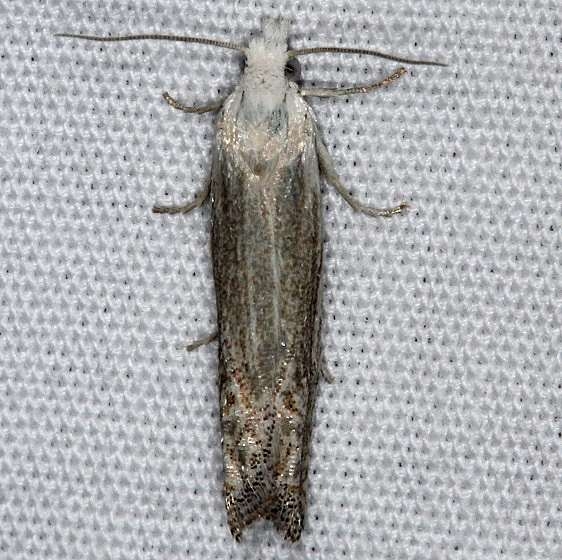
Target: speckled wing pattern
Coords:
[(267, 253)]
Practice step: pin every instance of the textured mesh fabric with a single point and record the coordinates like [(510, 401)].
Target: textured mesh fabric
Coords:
[(441, 434)]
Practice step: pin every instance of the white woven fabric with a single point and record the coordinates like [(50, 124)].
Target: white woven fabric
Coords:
[(440, 437)]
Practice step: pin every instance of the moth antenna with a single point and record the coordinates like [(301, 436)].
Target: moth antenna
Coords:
[(316, 50), (157, 37)]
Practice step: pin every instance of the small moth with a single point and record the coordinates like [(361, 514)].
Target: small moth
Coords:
[(267, 255)]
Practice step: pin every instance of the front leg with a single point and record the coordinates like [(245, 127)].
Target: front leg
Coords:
[(336, 92), (187, 109), (328, 170)]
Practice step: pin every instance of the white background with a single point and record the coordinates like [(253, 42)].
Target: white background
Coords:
[(440, 437)]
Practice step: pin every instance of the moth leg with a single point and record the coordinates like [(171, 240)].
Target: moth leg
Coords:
[(323, 370), (335, 92), (187, 109), (329, 172), (200, 198), (202, 341), (327, 376)]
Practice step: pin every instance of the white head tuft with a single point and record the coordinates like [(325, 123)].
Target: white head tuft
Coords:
[(264, 81)]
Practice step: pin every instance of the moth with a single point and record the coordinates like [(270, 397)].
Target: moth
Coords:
[(266, 244)]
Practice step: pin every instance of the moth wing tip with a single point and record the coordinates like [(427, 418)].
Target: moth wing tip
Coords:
[(284, 507)]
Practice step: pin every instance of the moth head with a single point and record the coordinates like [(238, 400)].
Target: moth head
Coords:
[(265, 57)]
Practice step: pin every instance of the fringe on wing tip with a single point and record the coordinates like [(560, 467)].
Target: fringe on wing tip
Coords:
[(284, 508)]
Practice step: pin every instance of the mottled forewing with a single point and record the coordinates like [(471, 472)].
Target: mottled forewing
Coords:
[(267, 250)]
